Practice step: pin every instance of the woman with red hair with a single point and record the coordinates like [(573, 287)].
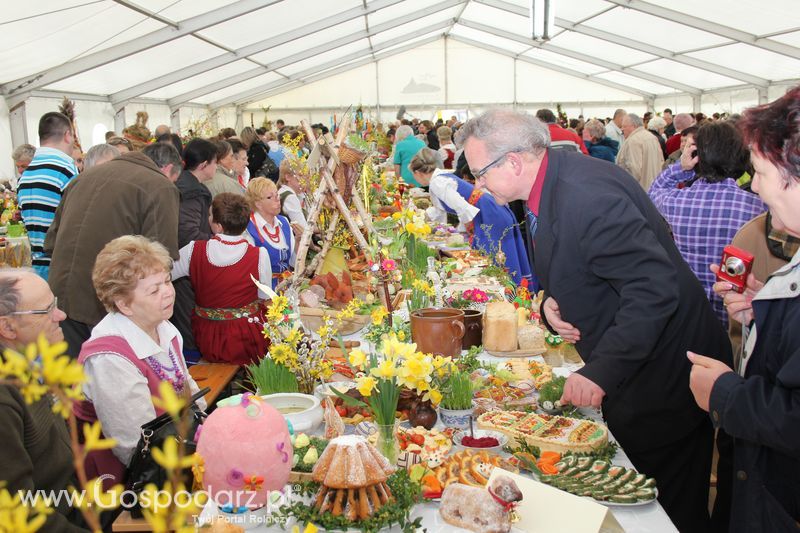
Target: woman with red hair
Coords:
[(758, 404)]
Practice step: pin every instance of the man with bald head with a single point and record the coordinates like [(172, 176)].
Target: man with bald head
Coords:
[(681, 122)]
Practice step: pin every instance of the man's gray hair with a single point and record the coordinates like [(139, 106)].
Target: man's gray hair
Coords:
[(635, 120), (23, 151), (99, 152), (596, 129), (619, 112), (403, 132), (9, 292), (506, 131), (162, 154), (682, 121)]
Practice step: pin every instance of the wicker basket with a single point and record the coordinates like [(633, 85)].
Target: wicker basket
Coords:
[(313, 319), (350, 156)]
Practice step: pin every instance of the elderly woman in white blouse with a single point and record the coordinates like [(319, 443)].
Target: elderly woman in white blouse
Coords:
[(132, 350)]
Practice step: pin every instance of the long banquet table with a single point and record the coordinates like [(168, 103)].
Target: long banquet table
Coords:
[(646, 518)]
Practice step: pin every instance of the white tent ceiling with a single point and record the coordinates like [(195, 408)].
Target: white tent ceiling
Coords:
[(222, 52)]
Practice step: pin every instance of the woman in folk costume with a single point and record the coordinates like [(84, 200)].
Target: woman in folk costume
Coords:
[(492, 227), (227, 317), (269, 229)]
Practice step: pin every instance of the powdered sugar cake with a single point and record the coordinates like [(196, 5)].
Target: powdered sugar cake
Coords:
[(350, 462)]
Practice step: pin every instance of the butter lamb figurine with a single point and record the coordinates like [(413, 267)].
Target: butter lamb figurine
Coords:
[(484, 510)]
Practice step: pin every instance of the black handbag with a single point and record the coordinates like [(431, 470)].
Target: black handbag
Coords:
[(143, 469)]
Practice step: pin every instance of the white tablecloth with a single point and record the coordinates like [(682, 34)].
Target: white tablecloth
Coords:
[(647, 518)]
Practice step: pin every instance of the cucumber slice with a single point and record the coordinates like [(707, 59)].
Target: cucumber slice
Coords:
[(645, 495), (649, 484), (638, 479), (583, 462), (626, 476), (616, 471), (622, 498), (600, 467)]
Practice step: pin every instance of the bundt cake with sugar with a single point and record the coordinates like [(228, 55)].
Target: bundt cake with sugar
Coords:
[(353, 476)]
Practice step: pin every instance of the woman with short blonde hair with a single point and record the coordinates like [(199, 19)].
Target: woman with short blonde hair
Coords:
[(269, 229), (132, 350)]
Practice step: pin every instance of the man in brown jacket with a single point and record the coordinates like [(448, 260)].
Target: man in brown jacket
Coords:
[(134, 194)]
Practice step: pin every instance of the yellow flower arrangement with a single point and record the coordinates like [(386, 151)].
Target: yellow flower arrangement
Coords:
[(357, 358), (365, 385), (19, 518), (378, 315)]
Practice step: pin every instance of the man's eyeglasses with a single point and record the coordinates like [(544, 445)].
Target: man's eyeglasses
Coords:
[(488, 167), (50, 308)]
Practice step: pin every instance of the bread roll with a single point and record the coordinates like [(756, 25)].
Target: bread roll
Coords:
[(500, 327), (531, 337)]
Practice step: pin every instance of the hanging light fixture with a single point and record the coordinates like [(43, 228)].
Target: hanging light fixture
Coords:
[(542, 19)]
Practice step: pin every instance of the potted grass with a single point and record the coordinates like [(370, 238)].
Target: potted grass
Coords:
[(455, 408), (269, 377)]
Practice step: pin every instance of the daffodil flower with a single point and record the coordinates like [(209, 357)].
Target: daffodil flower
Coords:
[(385, 370), (357, 358), (169, 401), (92, 440), (365, 385)]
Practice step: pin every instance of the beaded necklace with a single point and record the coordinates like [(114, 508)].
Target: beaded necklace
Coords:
[(179, 381)]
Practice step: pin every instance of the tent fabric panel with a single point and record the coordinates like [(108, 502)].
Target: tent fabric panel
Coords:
[(537, 84), (498, 18), (410, 28), (678, 103), (686, 74), (357, 85), (622, 55), (279, 52), (138, 68), (636, 83), (654, 30), (563, 61), (201, 80), (416, 76), (580, 9), (792, 39), (69, 35), (775, 15), (756, 61), (273, 20), (361, 46), (476, 75), (396, 11), (728, 101), (491, 40), (252, 83), (179, 11)]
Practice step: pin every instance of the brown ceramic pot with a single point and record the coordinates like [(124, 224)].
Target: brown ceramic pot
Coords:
[(473, 328), (438, 331)]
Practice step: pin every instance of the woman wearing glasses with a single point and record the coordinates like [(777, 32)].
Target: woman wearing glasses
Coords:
[(492, 227), (132, 350)]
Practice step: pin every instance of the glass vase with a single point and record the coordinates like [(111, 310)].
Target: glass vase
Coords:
[(387, 444)]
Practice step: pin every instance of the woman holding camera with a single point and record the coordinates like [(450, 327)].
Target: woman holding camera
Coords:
[(759, 405), (702, 203)]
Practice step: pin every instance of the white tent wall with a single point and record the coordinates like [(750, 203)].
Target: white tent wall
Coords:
[(6, 164), (89, 115)]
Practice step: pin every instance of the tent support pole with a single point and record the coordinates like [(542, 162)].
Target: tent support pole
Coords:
[(762, 95), (515, 83), (378, 91), (119, 120), (446, 96), (695, 103), (175, 120)]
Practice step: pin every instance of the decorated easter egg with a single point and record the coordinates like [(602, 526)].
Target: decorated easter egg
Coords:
[(246, 451)]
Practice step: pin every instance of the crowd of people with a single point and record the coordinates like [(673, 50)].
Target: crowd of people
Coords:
[(143, 254)]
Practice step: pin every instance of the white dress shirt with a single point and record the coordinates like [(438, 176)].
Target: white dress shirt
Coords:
[(444, 190), (222, 255), (118, 390), (281, 244), (292, 206)]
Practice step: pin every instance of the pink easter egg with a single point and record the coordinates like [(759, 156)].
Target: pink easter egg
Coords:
[(246, 451)]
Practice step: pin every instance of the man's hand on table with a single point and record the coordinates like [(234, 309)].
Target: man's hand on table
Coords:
[(580, 391), (552, 312)]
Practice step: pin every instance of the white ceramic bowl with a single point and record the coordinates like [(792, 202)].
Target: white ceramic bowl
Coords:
[(501, 439), (304, 411)]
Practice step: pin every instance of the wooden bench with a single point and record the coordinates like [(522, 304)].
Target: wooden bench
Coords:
[(216, 376)]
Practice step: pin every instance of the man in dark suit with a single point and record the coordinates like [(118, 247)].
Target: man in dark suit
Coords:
[(616, 285)]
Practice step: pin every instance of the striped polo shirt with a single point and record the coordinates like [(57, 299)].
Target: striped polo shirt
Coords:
[(39, 193)]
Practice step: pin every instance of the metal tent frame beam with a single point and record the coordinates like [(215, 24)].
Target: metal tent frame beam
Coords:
[(579, 56), (579, 27), (128, 48), (710, 27), (251, 49), (314, 51), (252, 95), (557, 68)]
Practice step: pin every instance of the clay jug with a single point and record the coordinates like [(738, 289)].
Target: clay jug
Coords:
[(438, 331), (473, 328)]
